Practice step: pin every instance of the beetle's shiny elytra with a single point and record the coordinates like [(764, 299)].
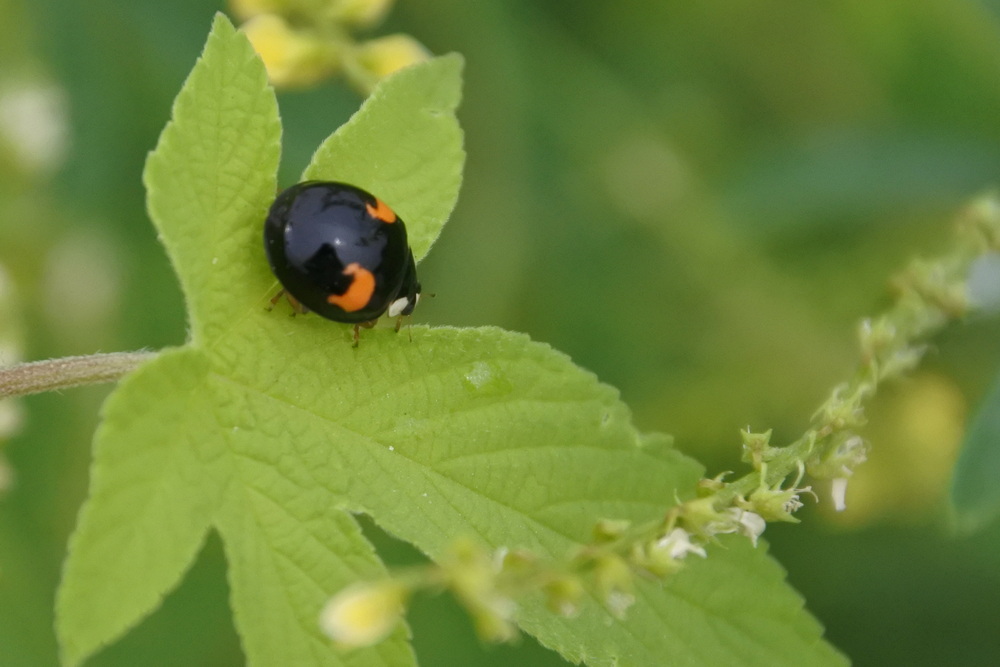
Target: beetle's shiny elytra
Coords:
[(341, 252)]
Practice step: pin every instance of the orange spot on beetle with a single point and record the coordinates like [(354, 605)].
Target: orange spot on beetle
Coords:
[(359, 293), (381, 211)]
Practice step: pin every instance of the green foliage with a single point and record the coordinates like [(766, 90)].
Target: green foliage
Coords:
[(213, 170), (406, 145), (272, 430), (975, 492)]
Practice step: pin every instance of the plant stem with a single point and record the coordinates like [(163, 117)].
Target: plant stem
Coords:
[(52, 374), (931, 294)]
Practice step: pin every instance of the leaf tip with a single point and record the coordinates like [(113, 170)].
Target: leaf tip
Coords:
[(454, 60), (222, 24), (451, 67)]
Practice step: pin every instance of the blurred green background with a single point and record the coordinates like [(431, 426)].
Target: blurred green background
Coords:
[(696, 200)]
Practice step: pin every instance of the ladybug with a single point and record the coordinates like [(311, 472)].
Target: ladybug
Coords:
[(341, 253)]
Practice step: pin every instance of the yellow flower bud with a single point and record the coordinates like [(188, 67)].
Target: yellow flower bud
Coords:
[(363, 614), (292, 58), (378, 58), (609, 530), (614, 582), (473, 574), (563, 595), (247, 9), (360, 13)]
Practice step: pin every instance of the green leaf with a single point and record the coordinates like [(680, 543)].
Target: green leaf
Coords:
[(405, 146), (462, 431), (152, 496), (483, 433), (975, 493), (288, 548), (732, 608), (169, 458), (212, 178), (271, 430), (149, 506)]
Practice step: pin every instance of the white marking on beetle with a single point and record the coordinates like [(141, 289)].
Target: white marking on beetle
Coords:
[(397, 306)]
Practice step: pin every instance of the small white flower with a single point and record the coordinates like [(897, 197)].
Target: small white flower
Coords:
[(678, 544), (838, 489), (853, 451), (726, 523), (793, 503), (363, 614), (749, 524)]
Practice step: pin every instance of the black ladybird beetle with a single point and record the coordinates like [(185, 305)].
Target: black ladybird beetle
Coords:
[(341, 253)]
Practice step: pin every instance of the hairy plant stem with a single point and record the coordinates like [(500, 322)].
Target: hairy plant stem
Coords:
[(52, 374)]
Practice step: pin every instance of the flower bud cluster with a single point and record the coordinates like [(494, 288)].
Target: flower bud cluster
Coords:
[(488, 584), (363, 614), (366, 613), (838, 464), (303, 42)]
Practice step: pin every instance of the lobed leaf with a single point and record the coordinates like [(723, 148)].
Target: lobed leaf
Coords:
[(166, 459), (212, 178), (151, 501), (483, 433), (288, 547), (732, 608), (405, 146), (975, 493), (271, 429)]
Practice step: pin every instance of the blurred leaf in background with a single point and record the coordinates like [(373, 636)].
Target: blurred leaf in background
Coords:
[(695, 200), (975, 491)]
